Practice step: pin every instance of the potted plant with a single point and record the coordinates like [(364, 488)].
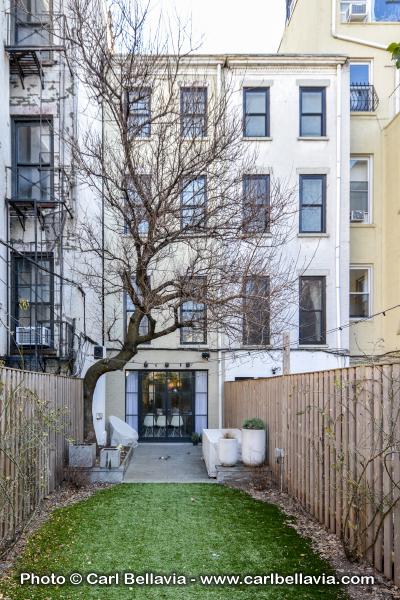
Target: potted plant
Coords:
[(228, 450), (196, 438), (253, 442)]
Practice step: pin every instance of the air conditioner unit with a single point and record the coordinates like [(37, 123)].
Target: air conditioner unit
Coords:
[(357, 12), (33, 336), (357, 216), (99, 352)]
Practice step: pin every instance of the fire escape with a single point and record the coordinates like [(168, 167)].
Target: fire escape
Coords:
[(39, 190)]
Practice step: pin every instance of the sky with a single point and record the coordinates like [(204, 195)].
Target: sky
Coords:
[(227, 26)]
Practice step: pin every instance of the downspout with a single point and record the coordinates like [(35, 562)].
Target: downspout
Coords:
[(347, 38), (220, 382), (338, 202)]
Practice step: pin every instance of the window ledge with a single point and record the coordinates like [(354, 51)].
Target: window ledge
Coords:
[(363, 225), (313, 138), (247, 138), (361, 319), (266, 347), (363, 113), (311, 346), (313, 234), (195, 139)]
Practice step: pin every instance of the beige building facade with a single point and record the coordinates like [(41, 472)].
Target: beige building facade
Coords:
[(362, 31)]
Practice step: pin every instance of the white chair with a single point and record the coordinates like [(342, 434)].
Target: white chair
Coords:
[(148, 424), (161, 425), (176, 424)]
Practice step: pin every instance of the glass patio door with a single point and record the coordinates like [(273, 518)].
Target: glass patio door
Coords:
[(166, 405)]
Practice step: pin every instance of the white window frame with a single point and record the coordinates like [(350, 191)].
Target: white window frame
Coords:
[(370, 170), (369, 64), (368, 268)]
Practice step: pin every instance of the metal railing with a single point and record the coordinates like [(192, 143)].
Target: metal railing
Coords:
[(363, 98), (35, 31), (55, 337), (44, 187)]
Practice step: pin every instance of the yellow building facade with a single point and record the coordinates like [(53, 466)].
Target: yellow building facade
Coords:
[(362, 30)]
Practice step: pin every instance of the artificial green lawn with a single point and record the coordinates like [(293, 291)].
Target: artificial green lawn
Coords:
[(183, 528)]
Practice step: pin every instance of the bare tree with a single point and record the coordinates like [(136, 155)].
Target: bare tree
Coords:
[(178, 226)]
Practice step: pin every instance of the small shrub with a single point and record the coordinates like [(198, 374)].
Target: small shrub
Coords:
[(253, 424)]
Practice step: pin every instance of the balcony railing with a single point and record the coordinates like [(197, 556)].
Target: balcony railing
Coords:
[(37, 186), (363, 98), (35, 31)]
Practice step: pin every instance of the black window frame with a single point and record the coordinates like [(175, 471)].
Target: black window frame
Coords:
[(16, 123), (203, 310), (266, 206), (267, 123), (322, 115), (194, 227), (322, 205), (191, 115), (135, 199), (266, 310), (129, 308), (140, 131), (306, 341), (15, 305)]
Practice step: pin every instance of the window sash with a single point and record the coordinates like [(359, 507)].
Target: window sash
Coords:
[(192, 308), (320, 115), (256, 309), (305, 205), (256, 207), (360, 298), (247, 115), (193, 122), (139, 112), (315, 317), (194, 203)]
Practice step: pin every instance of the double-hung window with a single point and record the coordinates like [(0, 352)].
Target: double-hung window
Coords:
[(256, 203), (312, 112), (360, 168), (312, 203), (312, 329), (33, 24), (256, 310), (139, 112), (33, 161), (137, 197), (194, 204), (256, 112), (194, 112), (33, 300), (360, 292), (362, 93), (130, 309), (194, 310)]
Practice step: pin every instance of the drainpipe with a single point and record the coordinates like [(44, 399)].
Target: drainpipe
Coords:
[(338, 201), (220, 382), (347, 38)]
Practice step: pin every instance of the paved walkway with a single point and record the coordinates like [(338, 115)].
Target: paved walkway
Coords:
[(167, 463)]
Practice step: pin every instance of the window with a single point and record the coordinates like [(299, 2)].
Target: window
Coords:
[(195, 310), (370, 10), (312, 310), (256, 112), (359, 190), (32, 161), (362, 94), (194, 204), (33, 299), (256, 203), (139, 112), (256, 311), (194, 112), (130, 308), (386, 10), (312, 203), (360, 295), (312, 112), (138, 196), (32, 24)]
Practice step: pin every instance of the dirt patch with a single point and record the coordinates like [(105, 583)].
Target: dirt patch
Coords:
[(65, 496), (327, 545)]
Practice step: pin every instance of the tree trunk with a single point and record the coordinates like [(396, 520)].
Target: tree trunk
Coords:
[(93, 374)]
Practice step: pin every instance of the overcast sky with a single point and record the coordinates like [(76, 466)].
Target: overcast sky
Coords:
[(230, 25)]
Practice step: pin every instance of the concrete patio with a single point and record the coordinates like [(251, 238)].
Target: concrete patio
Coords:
[(167, 463)]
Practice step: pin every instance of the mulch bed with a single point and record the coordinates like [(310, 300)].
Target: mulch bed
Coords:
[(326, 544)]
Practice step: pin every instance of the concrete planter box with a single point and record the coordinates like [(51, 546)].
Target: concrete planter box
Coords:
[(82, 455), (110, 458), (228, 451), (104, 474), (253, 447)]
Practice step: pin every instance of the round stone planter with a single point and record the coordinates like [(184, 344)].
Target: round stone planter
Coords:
[(228, 451), (253, 447)]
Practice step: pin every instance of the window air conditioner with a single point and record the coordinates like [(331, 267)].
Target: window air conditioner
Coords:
[(31, 336), (357, 216), (357, 11)]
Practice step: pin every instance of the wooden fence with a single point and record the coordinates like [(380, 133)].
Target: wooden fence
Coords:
[(38, 413), (340, 431)]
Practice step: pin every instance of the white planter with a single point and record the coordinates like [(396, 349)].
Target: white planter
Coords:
[(110, 458), (253, 447), (228, 451)]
